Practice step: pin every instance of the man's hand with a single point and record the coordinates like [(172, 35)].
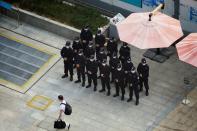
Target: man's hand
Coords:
[(102, 75), (65, 58), (77, 65)]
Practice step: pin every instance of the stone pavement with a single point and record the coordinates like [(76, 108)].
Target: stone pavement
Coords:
[(182, 118), (94, 111)]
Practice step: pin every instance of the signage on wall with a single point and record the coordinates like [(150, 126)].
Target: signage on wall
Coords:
[(152, 2), (193, 14), (137, 3)]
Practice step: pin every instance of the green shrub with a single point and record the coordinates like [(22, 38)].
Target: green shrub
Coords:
[(76, 16)]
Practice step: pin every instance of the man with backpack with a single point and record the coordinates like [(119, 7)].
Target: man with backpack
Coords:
[(65, 108)]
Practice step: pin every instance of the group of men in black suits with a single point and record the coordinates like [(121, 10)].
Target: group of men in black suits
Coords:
[(88, 57)]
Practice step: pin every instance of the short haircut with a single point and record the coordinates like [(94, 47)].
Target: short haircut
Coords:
[(60, 97)]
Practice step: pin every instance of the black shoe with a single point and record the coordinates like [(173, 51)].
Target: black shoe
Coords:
[(137, 103), (147, 93), (88, 86), (115, 95), (122, 98), (83, 84), (68, 126), (102, 90), (130, 99), (64, 76), (77, 81), (95, 89), (108, 93), (71, 78)]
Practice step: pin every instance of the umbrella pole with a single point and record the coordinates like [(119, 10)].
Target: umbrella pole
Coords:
[(158, 51), (161, 6)]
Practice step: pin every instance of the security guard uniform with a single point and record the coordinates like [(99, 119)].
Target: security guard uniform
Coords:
[(143, 71), (67, 54), (119, 81), (92, 68), (105, 80), (80, 65), (124, 52), (133, 85)]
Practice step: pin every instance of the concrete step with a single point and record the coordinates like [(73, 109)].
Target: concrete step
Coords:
[(18, 63), (24, 49), (20, 55), (15, 71), (12, 78)]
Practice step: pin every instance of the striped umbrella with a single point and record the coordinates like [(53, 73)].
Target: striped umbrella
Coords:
[(145, 30), (187, 49)]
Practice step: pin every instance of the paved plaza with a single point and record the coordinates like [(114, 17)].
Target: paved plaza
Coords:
[(94, 111)]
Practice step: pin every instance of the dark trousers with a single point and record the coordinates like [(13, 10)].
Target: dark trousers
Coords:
[(112, 74), (145, 82), (68, 67), (126, 80), (120, 85), (105, 82), (134, 88), (81, 73), (92, 77)]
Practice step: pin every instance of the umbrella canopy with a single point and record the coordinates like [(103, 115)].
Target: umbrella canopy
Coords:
[(187, 49), (160, 32)]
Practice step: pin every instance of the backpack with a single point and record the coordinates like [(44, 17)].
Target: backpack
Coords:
[(68, 108)]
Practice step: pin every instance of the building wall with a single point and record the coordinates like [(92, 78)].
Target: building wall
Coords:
[(188, 24)]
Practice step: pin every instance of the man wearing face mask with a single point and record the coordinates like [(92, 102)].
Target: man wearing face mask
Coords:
[(112, 47), (113, 62), (127, 68), (101, 57), (124, 52), (143, 70), (105, 80), (133, 85), (119, 81), (92, 68), (80, 65), (89, 50), (76, 46), (67, 55), (99, 41), (86, 36)]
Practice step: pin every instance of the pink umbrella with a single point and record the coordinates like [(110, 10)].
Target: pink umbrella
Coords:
[(145, 30), (187, 49)]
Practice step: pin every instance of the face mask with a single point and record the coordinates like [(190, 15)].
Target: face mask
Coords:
[(86, 29), (101, 52), (128, 61), (119, 69), (67, 47), (104, 64), (133, 72), (114, 57), (124, 46), (80, 54), (111, 41), (91, 60), (143, 64), (77, 41), (90, 46)]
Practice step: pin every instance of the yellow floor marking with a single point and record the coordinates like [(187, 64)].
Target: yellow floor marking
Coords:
[(40, 99)]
